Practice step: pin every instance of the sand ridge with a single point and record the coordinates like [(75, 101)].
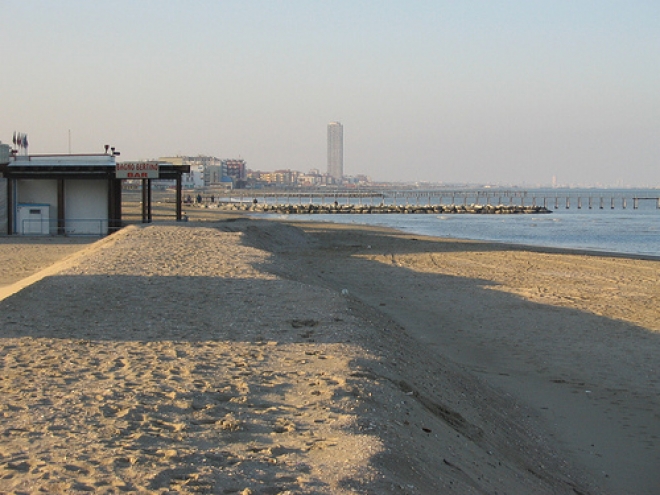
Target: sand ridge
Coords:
[(140, 387)]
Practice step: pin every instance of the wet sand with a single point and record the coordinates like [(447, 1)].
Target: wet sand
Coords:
[(244, 356)]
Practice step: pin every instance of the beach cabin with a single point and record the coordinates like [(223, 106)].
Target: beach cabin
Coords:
[(75, 194)]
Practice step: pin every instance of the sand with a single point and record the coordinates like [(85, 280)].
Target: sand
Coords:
[(22, 257), (252, 356)]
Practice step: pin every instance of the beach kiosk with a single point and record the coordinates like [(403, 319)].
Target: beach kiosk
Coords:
[(76, 194)]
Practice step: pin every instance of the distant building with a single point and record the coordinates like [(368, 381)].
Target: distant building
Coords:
[(210, 171), (235, 168), (205, 170), (336, 150), (314, 178), (276, 178), (288, 178), (360, 180)]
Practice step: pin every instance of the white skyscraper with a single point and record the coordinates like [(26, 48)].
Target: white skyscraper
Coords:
[(336, 150)]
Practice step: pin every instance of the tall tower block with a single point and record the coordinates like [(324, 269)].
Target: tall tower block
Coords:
[(336, 150)]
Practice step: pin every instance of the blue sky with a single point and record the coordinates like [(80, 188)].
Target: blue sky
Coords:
[(499, 92)]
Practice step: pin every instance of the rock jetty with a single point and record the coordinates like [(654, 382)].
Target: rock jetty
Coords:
[(311, 209)]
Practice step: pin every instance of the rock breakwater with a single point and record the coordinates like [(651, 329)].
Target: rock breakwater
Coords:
[(289, 209)]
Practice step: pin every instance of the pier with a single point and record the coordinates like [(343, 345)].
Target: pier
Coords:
[(446, 201)]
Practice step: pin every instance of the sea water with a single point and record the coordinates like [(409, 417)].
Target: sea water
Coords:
[(629, 231)]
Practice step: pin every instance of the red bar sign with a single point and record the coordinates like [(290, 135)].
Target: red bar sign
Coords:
[(137, 170)]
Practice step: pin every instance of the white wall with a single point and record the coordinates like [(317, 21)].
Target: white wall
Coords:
[(86, 206)]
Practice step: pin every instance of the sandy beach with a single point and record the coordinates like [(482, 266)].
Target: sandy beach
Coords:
[(266, 357)]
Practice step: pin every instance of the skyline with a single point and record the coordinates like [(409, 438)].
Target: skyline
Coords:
[(475, 92)]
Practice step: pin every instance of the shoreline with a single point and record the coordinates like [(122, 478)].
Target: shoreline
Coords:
[(530, 247), (414, 358)]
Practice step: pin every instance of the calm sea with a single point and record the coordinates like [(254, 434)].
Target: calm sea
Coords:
[(618, 230)]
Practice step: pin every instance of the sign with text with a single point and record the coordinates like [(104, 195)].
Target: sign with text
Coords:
[(137, 170)]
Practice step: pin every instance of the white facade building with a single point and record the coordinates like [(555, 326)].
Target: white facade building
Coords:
[(195, 178)]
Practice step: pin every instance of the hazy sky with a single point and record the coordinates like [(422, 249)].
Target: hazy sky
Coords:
[(454, 91)]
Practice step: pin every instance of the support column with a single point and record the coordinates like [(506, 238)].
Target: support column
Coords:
[(179, 198), (148, 200), (114, 205), (61, 214), (144, 200)]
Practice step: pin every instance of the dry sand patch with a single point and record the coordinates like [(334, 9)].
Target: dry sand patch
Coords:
[(22, 256)]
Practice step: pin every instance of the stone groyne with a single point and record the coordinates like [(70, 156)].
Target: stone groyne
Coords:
[(384, 209)]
